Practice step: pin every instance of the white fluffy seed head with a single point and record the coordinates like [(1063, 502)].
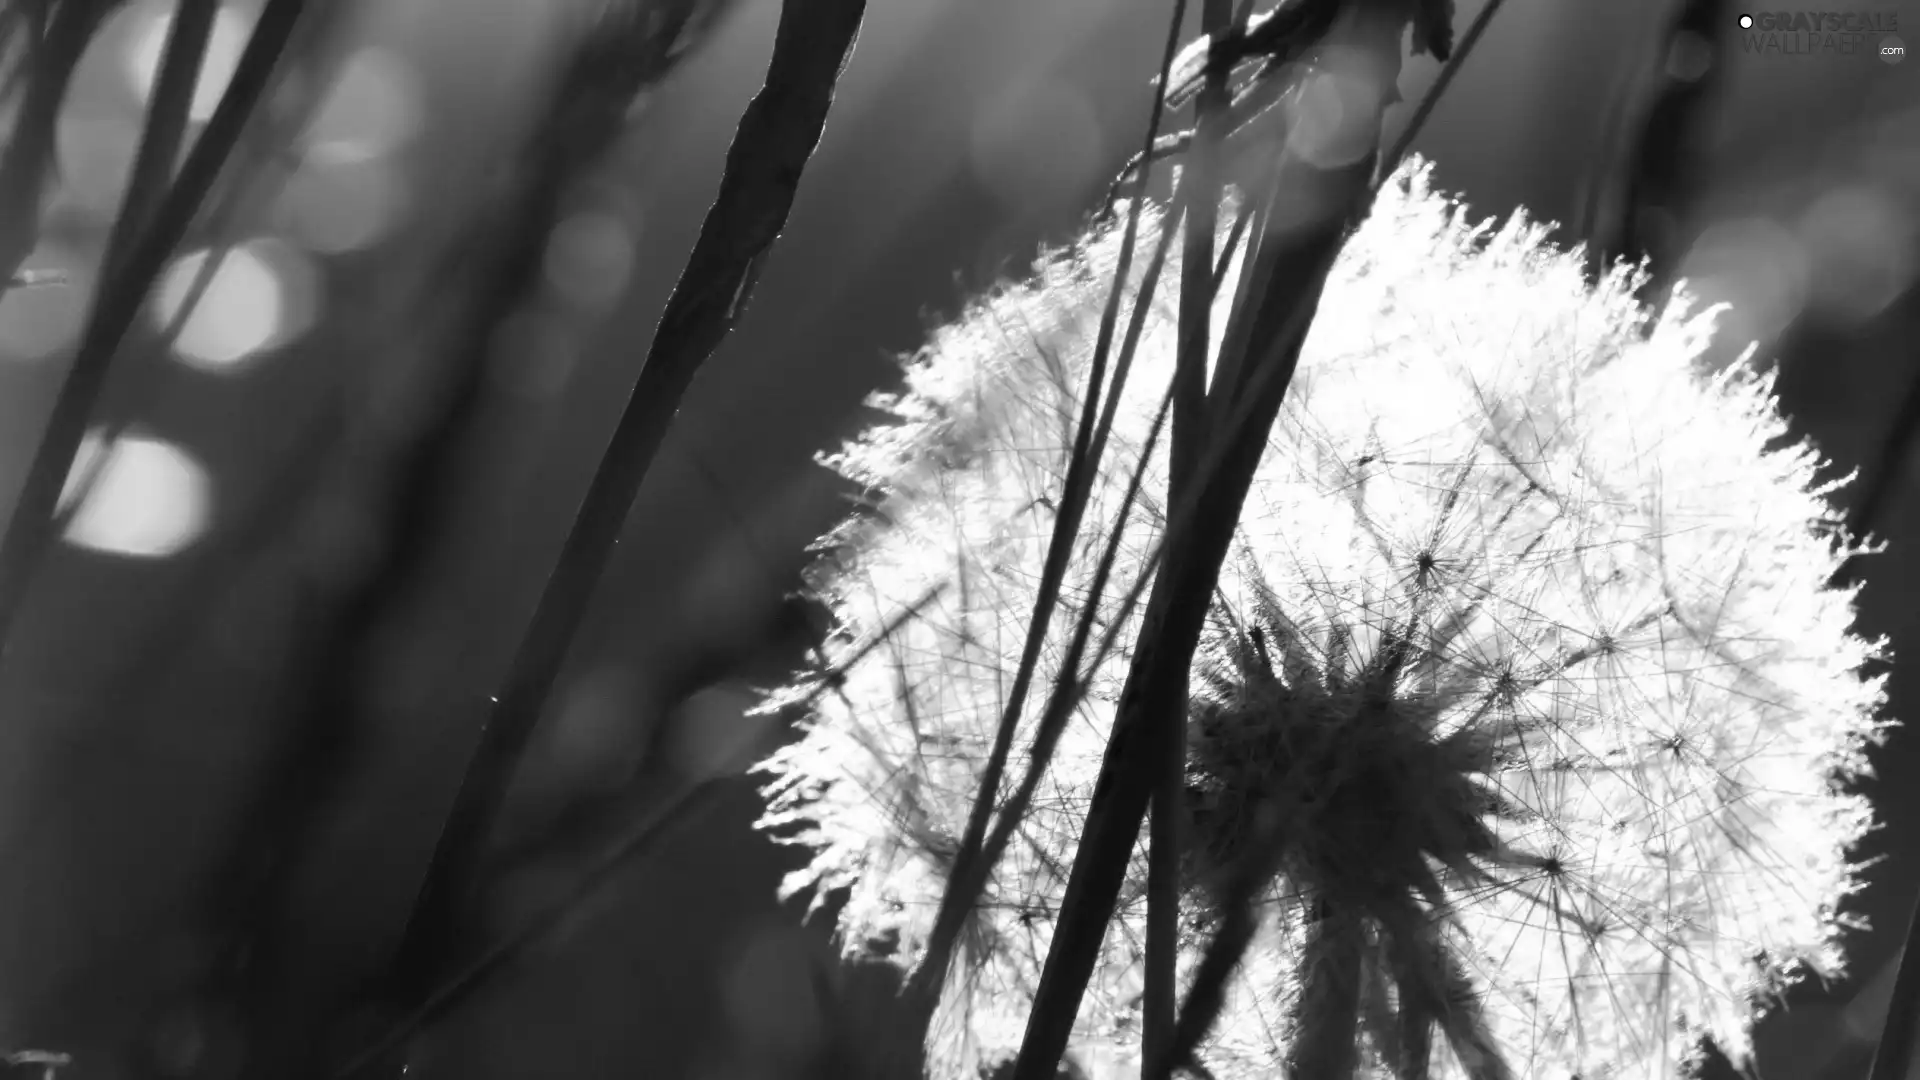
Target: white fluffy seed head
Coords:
[(1626, 587)]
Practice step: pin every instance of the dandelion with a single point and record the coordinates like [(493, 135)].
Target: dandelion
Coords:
[(1525, 688)]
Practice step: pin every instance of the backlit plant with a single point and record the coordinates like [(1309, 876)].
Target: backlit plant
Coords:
[(1525, 691)]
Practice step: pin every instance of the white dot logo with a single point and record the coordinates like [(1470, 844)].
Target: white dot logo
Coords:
[(1746, 22)]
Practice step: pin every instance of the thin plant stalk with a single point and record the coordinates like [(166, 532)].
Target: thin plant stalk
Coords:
[(1201, 205), (1067, 695), (168, 110), (243, 193), (403, 478), (776, 138), (1182, 590), (972, 865), (122, 291), (217, 224)]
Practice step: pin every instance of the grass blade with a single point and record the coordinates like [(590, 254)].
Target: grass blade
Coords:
[(123, 289), (1176, 609), (776, 137), (1201, 202)]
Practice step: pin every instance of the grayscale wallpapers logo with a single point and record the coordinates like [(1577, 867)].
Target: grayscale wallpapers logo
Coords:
[(1823, 33)]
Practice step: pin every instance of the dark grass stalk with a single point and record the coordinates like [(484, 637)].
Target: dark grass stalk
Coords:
[(1071, 687), (972, 865), (227, 551), (403, 476), (112, 427), (242, 191), (117, 303), (924, 988), (169, 105), (1297, 263), (44, 70), (776, 138), (1201, 182), (1239, 919), (1068, 691)]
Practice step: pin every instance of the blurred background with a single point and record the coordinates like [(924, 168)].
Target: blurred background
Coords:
[(155, 680)]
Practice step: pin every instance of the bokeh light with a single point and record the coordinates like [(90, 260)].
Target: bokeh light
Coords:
[(715, 732), (1759, 267), (589, 257), (150, 498), (372, 109), (260, 295), (337, 206), (1860, 242), (1333, 116)]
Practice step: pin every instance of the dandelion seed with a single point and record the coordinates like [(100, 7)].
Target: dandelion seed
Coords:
[(1524, 683)]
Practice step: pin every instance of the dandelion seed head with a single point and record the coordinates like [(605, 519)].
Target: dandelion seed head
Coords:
[(1525, 642)]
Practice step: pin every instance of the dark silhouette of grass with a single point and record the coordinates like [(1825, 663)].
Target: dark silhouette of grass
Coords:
[(406, 476), (124, 288), (777, 136), (978, 852), (1201, 187), (1287, 269)]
